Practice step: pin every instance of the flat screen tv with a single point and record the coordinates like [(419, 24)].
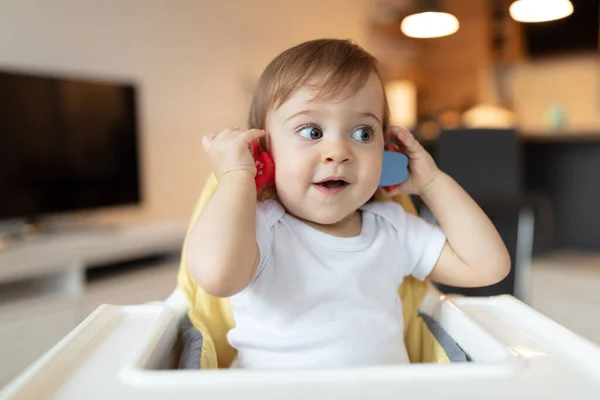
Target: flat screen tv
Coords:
[(66, 145)]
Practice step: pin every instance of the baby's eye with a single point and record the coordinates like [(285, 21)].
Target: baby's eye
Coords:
[(311, 132), (364, 134)]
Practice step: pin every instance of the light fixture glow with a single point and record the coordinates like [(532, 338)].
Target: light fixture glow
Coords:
[(540, 10), (402, 102), (429, 25)]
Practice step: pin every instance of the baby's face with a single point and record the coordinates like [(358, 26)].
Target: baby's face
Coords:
[(328, 154)]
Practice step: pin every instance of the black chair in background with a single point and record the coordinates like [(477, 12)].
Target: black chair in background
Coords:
[(487, 164)]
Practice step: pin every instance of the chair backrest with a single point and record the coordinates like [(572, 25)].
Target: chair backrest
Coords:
[(485, 162)]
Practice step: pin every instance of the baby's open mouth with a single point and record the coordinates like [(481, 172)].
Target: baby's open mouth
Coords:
[(336, 184), (331, 186)]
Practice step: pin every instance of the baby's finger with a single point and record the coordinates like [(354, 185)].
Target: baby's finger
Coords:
[(207, 140), (395, 129), (408, 140), (392, 135), (252, 134), (230, 132)]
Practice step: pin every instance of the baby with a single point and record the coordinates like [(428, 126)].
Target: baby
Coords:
[(313, 274)]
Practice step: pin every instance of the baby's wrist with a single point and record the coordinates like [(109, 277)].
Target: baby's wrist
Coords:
[(431, 185), (237, 176)]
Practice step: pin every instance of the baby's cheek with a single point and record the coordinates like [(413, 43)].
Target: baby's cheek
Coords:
[(373, 174), (282, 179), (373, 167), (290, 165)]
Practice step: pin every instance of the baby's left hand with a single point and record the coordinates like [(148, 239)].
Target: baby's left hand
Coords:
[(422, 169)]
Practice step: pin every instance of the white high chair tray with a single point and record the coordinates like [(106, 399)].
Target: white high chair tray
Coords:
[(126, 352)]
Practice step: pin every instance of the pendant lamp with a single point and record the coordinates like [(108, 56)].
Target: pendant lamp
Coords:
[(430, 21), (540, 10)]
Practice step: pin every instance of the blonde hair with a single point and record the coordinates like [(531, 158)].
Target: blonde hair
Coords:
[(337, 68)]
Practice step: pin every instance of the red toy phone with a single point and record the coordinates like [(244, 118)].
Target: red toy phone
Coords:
[(265, 168)]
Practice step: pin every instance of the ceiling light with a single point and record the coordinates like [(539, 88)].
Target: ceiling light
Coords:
[(429, 24), (540, 10), (429, 21)]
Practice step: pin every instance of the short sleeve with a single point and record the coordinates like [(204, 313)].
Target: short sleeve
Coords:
[(267, 215), (424, 244), (419, 242)]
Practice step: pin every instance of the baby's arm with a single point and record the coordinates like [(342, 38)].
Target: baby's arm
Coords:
[(474, 254), (221, 252)]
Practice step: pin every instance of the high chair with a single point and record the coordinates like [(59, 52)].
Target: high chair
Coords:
[(459, 348)]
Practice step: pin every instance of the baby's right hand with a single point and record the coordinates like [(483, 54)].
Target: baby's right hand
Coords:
[(230, 150)]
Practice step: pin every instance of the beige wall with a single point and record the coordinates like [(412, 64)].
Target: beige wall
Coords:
[(194, 62), (572, 82)]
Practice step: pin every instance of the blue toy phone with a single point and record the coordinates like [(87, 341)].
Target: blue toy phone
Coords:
[(395, 168)]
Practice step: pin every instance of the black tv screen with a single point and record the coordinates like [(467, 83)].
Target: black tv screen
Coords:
[(579, 32), (66, 145)]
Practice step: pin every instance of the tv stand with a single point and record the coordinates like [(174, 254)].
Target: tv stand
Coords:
[(15, 232), (30, 230), (45, 253)]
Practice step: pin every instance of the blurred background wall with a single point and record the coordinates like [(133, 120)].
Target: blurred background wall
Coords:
[(195, 61)]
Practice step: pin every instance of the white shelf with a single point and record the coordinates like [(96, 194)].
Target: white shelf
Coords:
[(61, 252)]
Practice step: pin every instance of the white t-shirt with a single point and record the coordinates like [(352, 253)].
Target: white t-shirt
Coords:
[(323, 301)]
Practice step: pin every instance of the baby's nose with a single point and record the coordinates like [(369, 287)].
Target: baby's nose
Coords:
[(337, 152)]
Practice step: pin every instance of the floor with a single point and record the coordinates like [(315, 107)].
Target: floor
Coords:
[(566, 288)]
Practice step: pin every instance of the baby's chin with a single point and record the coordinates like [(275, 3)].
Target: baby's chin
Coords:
[(327, 219), (323, 214), (324, 217)]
